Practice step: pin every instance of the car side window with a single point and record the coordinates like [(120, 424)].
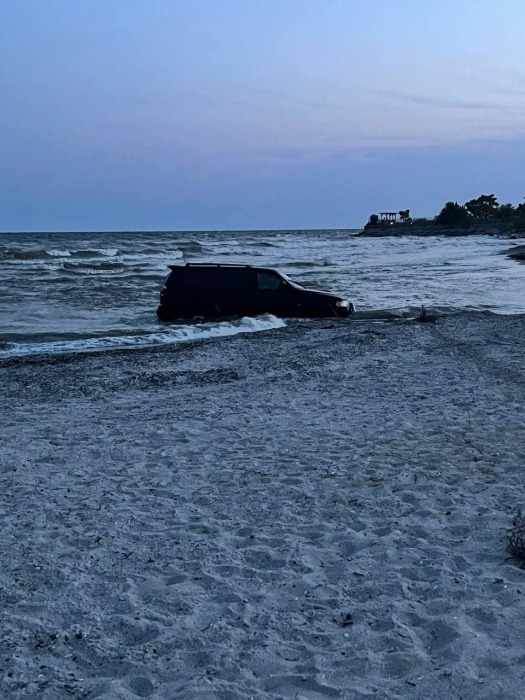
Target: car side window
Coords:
[(265, 280)]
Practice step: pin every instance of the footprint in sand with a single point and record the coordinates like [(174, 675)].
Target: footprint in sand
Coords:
[(141, 686)]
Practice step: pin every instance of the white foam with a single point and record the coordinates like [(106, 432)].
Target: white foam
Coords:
[(105, 252), (108, 252), (164, 258), (173, 334), (59, 253)]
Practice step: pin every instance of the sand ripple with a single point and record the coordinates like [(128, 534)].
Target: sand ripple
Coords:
[(316, 512)]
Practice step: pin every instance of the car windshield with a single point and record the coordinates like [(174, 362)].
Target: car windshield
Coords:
[(294, 284)]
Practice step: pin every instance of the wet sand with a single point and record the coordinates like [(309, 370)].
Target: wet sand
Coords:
[(312, 512)]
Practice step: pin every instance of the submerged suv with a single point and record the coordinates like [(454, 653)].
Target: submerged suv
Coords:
[(209, 290)]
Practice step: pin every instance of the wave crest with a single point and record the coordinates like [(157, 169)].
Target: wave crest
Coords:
[(173, 334)]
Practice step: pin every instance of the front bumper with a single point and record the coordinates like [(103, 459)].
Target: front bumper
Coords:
[(344, 311)]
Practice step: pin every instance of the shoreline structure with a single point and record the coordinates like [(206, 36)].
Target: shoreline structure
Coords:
[(315, 511), (504, 229)]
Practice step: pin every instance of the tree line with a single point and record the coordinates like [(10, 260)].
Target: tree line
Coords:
[(485, 207)]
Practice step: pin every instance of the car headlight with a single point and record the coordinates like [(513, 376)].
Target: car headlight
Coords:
[(342, 304)]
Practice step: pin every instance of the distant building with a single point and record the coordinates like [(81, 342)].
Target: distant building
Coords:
[(388, 217)]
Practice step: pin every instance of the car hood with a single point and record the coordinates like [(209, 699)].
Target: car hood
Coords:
[(321, 293)]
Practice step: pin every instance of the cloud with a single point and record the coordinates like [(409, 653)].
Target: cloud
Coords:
[(442, 102)]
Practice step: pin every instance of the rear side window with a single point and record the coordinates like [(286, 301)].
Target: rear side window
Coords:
[(188, 278), (265, 280), (208, 277), (175, 279), (233, 279)]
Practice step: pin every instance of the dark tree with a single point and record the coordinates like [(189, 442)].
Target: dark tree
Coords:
[(505, 211), (483, 207), (452, 213), (404, 215), (374, 219)]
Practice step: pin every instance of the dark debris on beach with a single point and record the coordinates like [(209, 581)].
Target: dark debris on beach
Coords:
[(516, 537)]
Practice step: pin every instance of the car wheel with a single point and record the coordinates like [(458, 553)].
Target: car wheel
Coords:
[(164, 314), (200, 312), (319, 312)]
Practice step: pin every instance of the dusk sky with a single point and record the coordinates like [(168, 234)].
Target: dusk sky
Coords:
[(249, 114)]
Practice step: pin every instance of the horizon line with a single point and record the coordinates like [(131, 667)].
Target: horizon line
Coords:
[(188, 230)]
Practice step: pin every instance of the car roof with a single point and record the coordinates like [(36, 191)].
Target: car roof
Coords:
[(222, 266)]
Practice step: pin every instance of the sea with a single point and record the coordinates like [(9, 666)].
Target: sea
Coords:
[(78, 292)]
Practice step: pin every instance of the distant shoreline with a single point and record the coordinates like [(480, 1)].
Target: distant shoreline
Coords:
[(505, 229), (488, 228), (516, 253)]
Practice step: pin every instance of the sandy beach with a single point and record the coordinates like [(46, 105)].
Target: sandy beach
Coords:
[(312, 512)]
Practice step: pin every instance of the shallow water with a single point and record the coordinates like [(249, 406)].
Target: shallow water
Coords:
[(79, 291)]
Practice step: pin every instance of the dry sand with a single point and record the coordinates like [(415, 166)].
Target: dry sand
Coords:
[(310, 512)]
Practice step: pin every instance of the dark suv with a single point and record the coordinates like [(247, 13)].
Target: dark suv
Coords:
[(209, 290)]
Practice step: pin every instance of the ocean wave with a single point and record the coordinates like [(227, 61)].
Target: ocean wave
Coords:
[(160, 256), (52, 276), (222, 243), (21, 254), (108, 252), (313, 263), (84, 253), (58, 253), (174, 334), (137, 275), (102, 266), (407, 312), (193, 247)]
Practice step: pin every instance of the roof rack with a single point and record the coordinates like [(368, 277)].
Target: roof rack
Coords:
[(216, 265)]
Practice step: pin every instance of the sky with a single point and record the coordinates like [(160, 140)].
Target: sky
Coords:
[(255, 114)]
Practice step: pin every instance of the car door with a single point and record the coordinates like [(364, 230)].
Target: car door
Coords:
[(273, 294), (235, 286)]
